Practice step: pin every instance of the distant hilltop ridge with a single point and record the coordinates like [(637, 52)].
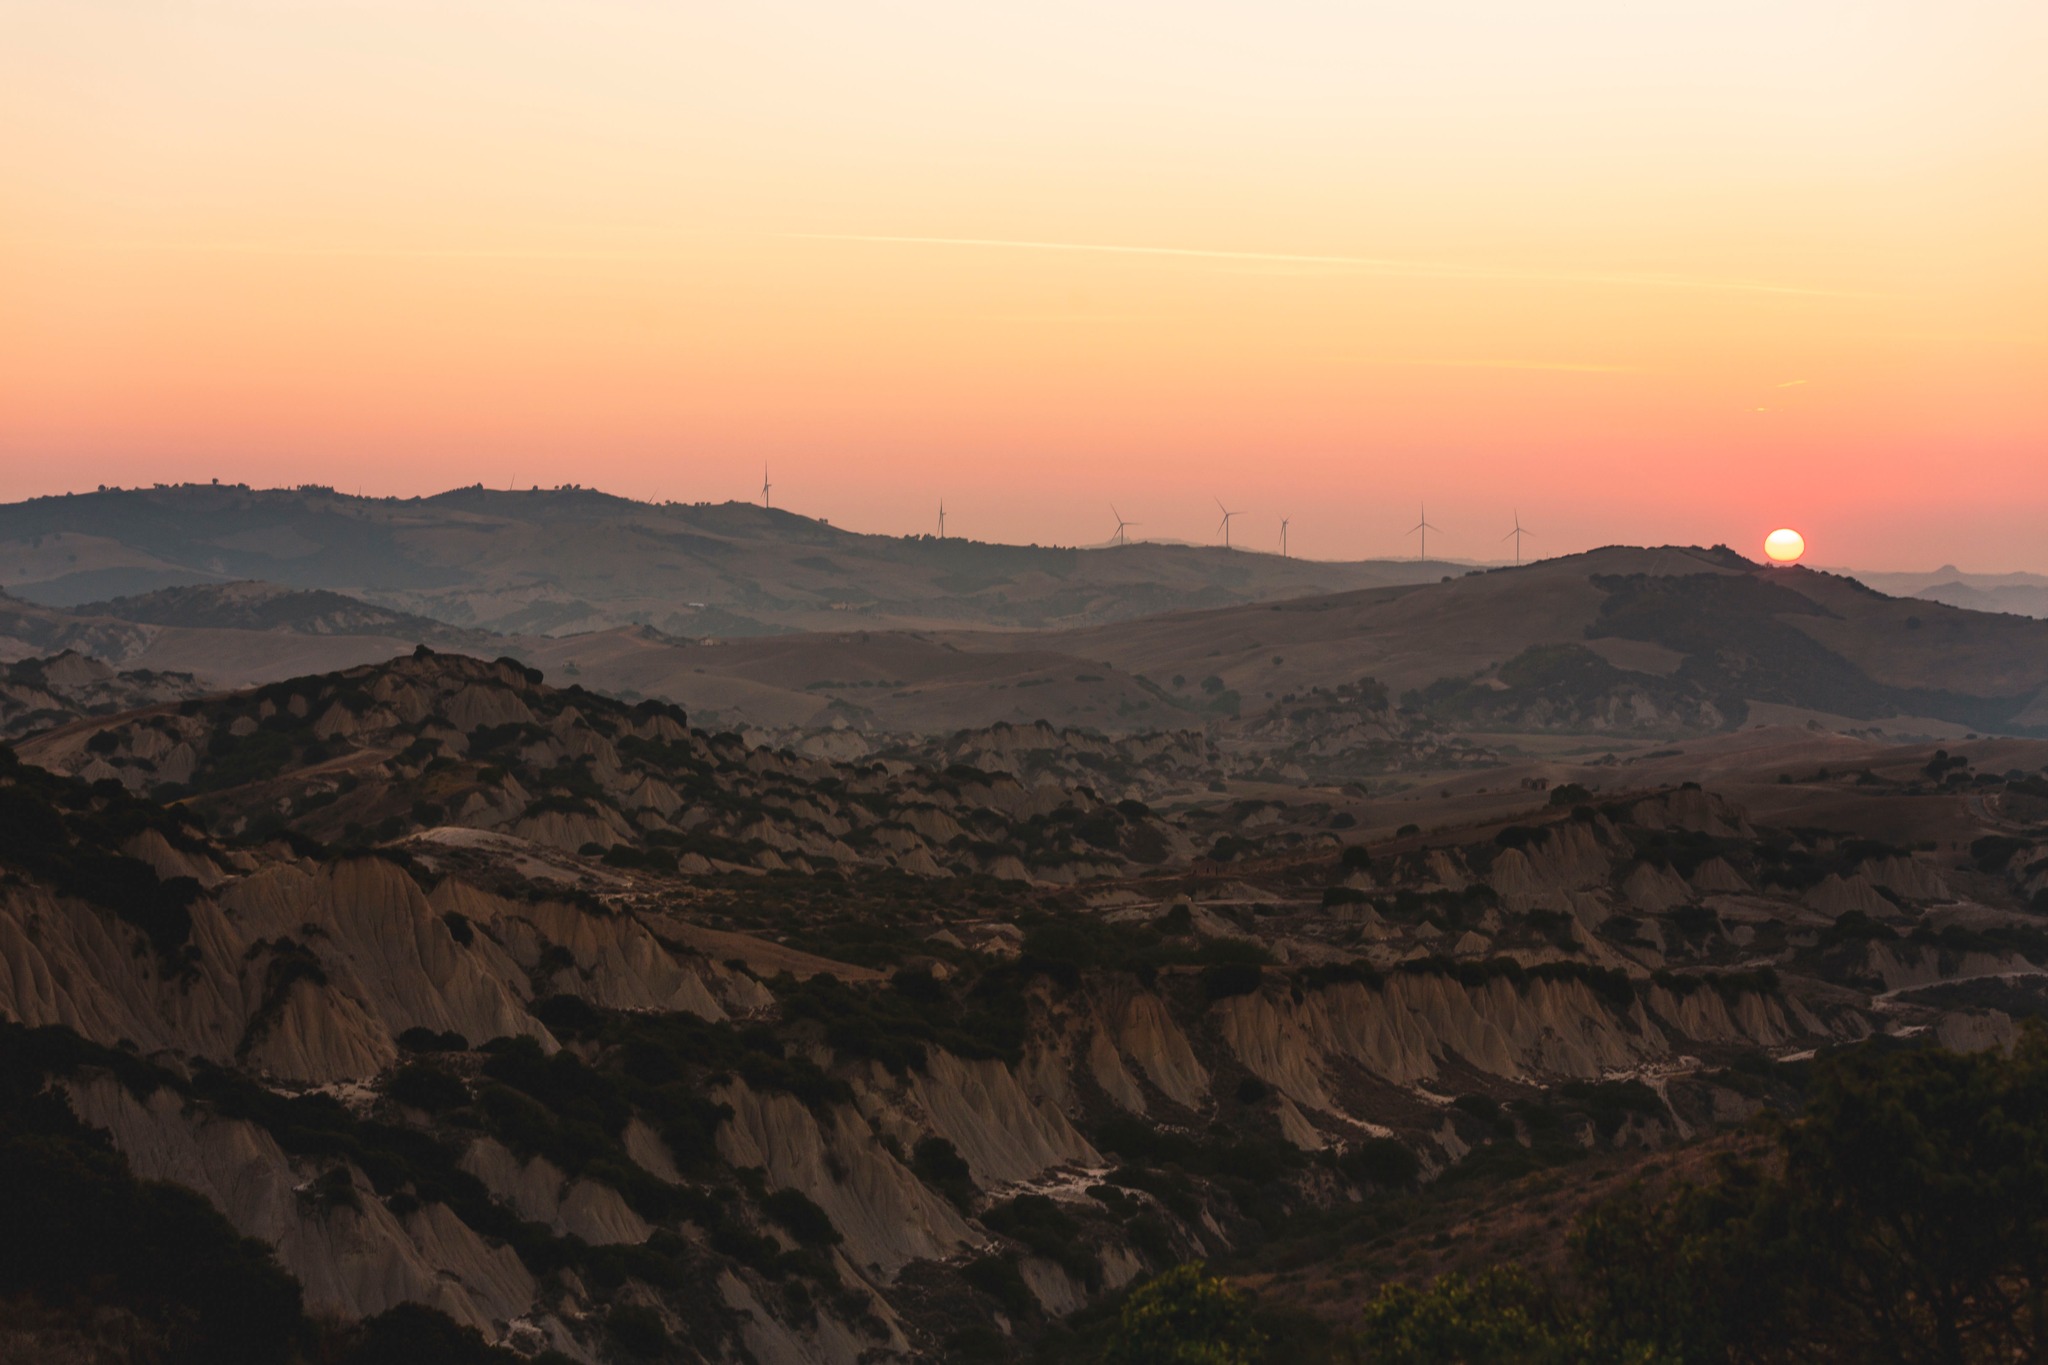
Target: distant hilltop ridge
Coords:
[(567, 559), (1623, 640)]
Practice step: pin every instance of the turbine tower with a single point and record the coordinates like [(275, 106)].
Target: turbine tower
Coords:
[(942, 518), (1224, 525), (765, 485), (1283, 537), (1422, 525), (1516, 536), (1120, 537)]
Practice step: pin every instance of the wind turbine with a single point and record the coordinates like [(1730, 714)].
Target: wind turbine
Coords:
[(1283, 537), (942, 518), (765, 485), (1422, 525), (1516, 536), (1121, 538), (1224, 525)]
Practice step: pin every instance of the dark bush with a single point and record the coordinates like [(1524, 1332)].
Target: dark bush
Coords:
[(78, 1225), (419, 1039), (1050, 1231), (414, 1334), (427, 1087), (567, 1016), (637, 1331), (999, 1278), (803, 1219), (1992, 852), (939, 1164), (1227, 979), (1385, 1162)]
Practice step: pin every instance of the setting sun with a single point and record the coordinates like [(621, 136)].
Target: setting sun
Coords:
[(1784, 546)]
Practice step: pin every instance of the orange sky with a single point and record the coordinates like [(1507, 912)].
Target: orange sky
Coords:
[(1644, 272)]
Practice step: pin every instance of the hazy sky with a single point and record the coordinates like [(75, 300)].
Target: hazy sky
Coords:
[(1643, 270)]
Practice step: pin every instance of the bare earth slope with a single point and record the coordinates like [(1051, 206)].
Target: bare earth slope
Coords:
[(455, 988)]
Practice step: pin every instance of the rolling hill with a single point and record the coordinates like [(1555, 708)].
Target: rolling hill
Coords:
[(1616, 641), (1619, 638), (546, 562), (205, 632)]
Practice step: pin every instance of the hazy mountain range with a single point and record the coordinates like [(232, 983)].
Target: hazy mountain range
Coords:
[(2021, 594), (570, 559), (795, 624)]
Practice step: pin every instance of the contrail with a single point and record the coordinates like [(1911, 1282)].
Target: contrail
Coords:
[(348, 249), (1568, 366), (1381, 265)]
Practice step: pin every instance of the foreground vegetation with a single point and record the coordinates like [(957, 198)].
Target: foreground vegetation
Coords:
[(1902, 1216)]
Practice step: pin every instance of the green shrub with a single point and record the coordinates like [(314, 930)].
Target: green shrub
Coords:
[(1185, 1317)]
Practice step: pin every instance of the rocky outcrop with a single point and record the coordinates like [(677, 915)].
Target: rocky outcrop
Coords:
[(541, 1193), (44, 693), (1147, 1037), (981, 1109), (313, 975), (887, 1217), (1838, 895), (1403, 1033), (353, 1261)]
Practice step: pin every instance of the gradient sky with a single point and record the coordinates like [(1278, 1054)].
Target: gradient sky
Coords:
[(1643, 270)]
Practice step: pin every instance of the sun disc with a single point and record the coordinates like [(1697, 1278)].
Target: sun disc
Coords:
[(1784, 545)]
